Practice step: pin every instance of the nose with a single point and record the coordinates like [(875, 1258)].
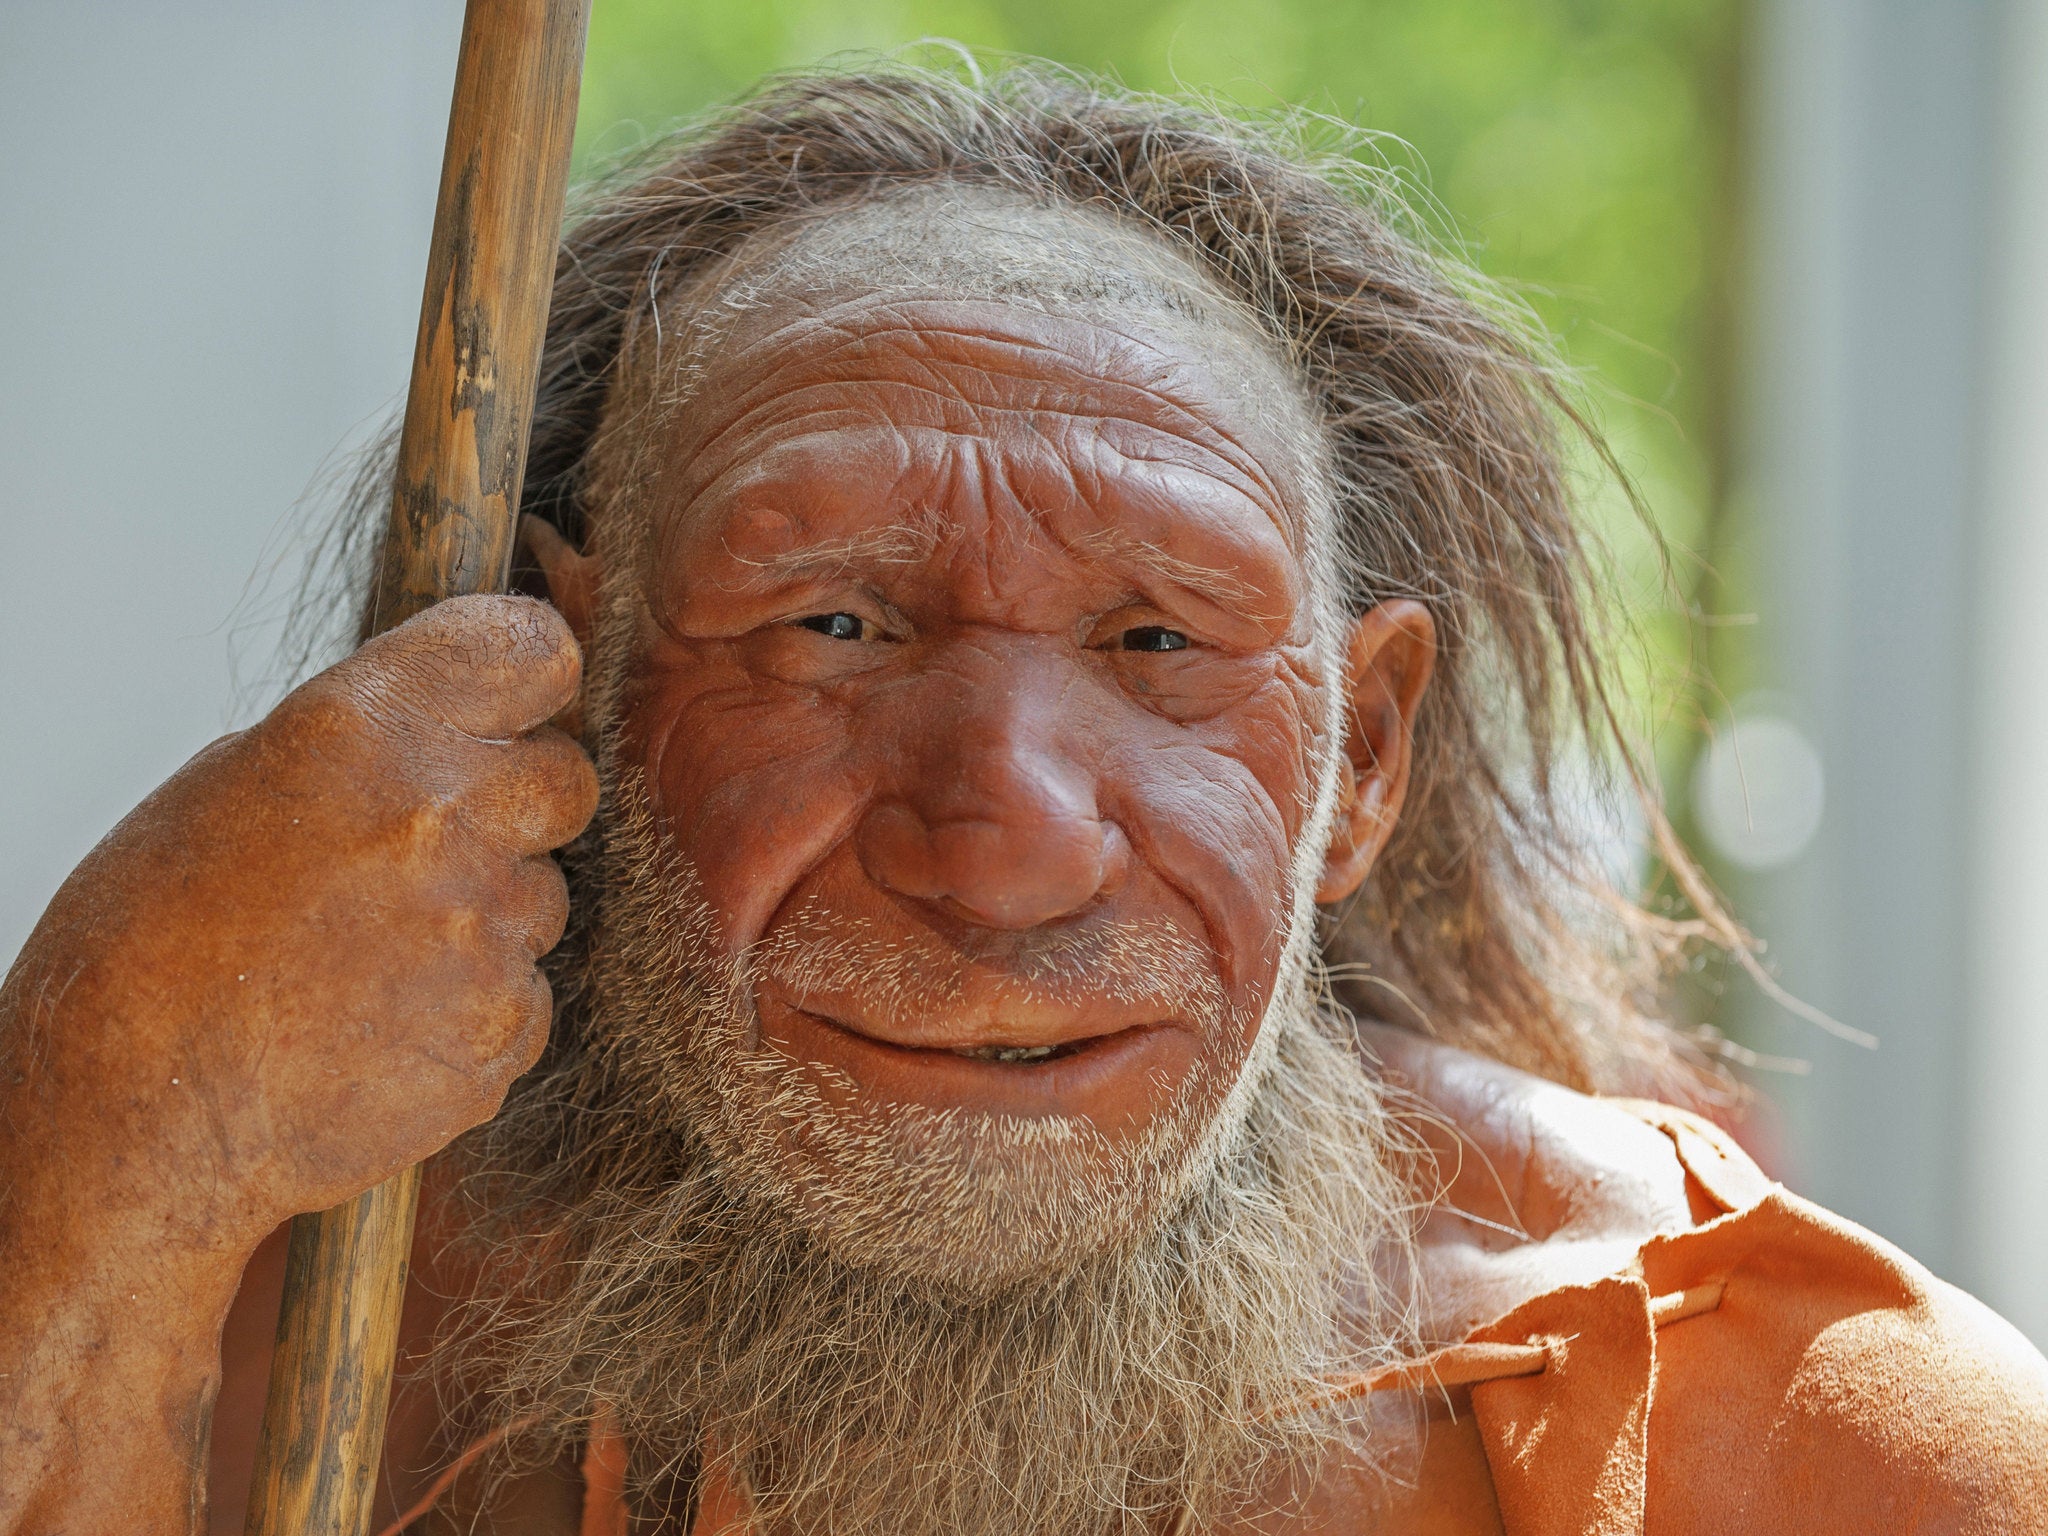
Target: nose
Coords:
[(994, 823), (1001, 874)]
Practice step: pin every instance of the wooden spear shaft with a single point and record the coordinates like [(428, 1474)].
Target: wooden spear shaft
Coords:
[(462, 454)]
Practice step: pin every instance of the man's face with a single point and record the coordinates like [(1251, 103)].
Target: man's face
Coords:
[(978, 691)]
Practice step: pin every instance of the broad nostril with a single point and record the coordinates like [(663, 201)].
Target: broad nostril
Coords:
[(895, 849), (1001, 873)]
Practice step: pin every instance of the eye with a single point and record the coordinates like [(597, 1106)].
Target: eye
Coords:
[(837, 626), (1154, 637)]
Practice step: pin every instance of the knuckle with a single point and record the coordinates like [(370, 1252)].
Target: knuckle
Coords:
[(474, 616), (541, 634), (457, 929), (389, 691), (512, 628), (536, 793), (554, 669), (473, 648), (322, 704), (334, 730), (421, 832)]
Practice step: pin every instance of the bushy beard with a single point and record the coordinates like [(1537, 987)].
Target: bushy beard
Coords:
[(922, 1324)]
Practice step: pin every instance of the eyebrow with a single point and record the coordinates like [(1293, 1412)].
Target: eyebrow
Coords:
[(1218, 586), (903, 542)]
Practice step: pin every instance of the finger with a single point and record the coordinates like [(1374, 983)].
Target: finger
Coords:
[(488, 666), (537, 794), (537, 909), (525, 1020)]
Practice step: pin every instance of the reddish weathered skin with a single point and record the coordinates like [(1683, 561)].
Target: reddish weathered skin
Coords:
[(308, 959), (989, 764)]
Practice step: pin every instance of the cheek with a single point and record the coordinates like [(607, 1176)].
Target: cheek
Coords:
[(1216, 810), (754, 785), (1273, 735)]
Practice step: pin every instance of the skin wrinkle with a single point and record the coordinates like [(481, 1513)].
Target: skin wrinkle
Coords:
[(902, 629), (1184, 416), (752, 474), (946, 391), (828, 845), (1173, 571), (917, 538), (1148, 843)]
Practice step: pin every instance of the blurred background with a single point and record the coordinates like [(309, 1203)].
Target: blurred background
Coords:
[(1797, 249)]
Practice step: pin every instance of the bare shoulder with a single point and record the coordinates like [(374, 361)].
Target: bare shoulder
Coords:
[(1530, 1186)]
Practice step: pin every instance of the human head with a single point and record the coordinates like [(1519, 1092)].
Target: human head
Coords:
[(1367, 489)]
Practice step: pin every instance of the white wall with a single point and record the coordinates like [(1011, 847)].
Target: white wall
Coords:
[(2005, 1234), (1870, 184), (213, 225)]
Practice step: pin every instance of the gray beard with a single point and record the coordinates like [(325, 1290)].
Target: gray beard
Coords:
[(940, 1327)]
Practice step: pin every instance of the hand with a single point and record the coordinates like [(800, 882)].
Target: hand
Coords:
[(308, 959)]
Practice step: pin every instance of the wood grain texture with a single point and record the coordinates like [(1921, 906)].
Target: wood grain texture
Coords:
[(489, 275), (330, 1379), (462, 455)]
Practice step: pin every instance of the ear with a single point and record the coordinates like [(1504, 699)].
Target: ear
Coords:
[(1388, 662), (572, 583), (571, 576)]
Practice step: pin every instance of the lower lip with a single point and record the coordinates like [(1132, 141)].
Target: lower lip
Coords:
[(1117, 1080)]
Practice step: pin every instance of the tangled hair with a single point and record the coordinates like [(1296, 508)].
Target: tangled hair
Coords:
[(1484, 921)]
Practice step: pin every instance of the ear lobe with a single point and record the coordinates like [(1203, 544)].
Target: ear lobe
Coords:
[(572, 584), (1388, 663)]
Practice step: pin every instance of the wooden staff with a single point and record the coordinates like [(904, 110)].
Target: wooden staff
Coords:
[(490, 274)]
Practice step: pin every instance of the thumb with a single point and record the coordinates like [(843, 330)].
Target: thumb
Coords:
[(488, 666)]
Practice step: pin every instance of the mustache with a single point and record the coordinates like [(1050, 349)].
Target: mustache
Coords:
[(909, 972)]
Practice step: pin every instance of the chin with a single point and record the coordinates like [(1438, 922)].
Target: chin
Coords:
[(965, 1200)]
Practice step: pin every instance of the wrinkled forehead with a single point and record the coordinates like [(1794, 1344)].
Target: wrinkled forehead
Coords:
[(956, 295)]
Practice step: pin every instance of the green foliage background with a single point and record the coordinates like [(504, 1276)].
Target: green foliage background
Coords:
[(1581, 151)]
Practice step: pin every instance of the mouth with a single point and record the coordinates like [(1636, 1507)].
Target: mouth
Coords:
[(1118, 1076), (998, 1053), (1013, 1053)]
